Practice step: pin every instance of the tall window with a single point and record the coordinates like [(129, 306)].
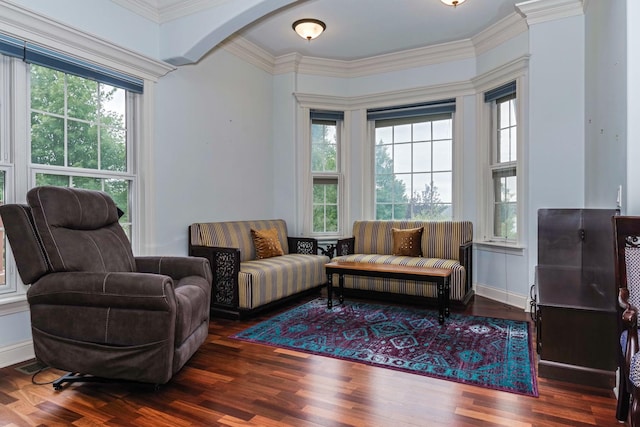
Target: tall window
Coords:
[(414, 162), (79, 135), (325, 170), (503, 162)]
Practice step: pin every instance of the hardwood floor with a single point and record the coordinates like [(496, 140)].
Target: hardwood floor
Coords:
[(234, 383)]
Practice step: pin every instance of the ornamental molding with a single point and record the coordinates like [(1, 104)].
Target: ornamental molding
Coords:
[(539, 11)]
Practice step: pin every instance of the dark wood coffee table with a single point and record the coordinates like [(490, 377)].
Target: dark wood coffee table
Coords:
[(428, 275)]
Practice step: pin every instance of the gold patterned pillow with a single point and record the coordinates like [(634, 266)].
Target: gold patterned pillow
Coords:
[(407, 242), (267, 243)]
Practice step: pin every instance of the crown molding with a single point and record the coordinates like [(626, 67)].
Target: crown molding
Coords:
[(44, 31), (500, 32), (412, 58), (403, 60), (160, 11), (244, 49), (538, 11), (407, 96), (145, 8), (500, 75)]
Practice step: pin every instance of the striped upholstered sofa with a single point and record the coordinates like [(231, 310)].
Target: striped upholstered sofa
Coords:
[(445, 244), (244, 285)]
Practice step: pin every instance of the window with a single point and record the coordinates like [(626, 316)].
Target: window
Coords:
[(325, 171), (79, 135), (414, 161), (503, 162), (65, 122)]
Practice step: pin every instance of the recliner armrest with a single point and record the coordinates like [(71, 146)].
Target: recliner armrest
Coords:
[(142, 291), (175, 267)]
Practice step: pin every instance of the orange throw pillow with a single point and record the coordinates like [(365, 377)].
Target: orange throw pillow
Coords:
[(407, 242), (267, 243)]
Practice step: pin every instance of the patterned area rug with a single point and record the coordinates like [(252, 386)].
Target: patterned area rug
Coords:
[(482, 351)]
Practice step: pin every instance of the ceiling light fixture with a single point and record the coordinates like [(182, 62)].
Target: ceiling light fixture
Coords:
[(453, 3), (309, 28)]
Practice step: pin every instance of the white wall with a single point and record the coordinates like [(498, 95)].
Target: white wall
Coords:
[(556, 121), (633, 109), (214, 149), (606, 103)]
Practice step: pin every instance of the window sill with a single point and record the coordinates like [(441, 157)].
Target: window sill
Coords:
[(13, 304), (500, 247)]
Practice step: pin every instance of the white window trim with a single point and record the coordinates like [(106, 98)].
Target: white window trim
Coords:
[(516, 70), (305, 193), (24, 24)]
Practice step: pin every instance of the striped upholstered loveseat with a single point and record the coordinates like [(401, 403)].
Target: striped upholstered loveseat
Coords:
[(445, 244), (244, 285)]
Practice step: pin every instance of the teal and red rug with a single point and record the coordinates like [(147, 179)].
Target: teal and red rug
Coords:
[(482, 351)]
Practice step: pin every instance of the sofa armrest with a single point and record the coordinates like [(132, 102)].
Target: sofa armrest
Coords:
[(175, 267), (466, 261), (302, 245), (140, 291), (345, 246), (225, 267)]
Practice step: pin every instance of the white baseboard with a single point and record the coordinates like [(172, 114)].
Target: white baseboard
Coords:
[(16, 353), (516, 300)]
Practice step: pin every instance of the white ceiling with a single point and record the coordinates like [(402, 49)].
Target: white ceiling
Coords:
[(356, 29), (365, 28)]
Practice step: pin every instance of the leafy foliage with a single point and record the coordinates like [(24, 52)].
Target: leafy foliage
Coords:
[(78, 124)]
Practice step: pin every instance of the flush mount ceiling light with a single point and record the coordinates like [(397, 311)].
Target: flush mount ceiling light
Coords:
[(309, 28), (453, 3)]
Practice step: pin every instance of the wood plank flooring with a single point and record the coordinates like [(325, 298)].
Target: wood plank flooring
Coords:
[(234, 383)]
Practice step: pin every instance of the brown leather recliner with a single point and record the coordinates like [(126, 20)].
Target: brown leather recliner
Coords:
[(96, 310)]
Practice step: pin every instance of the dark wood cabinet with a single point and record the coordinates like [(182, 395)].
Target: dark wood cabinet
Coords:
[(576, 310)]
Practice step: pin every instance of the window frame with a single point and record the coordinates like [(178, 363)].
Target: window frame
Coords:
[(327, 177), (486, 149), (316, 176), (427, 118)]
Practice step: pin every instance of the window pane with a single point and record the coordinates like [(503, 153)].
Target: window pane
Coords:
[(404, 175), (422, 131), (112, 104), (442, 129), (442, 188), (83, 145), (402, 158), (442, 155), (325, 207), (47, 90), (324, 147), (82, 98), (505, 209), (113, 149), (384, 135), (402, 133), (422, 157), (47, 140)]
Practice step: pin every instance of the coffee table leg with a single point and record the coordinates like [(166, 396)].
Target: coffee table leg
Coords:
[(447, 297), (441, 302), (329, 290), (341, 286)]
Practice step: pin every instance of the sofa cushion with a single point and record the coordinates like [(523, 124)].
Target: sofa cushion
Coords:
[(440, 239), (266, 243), (407, 242), (236, 234), (266, 280)]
